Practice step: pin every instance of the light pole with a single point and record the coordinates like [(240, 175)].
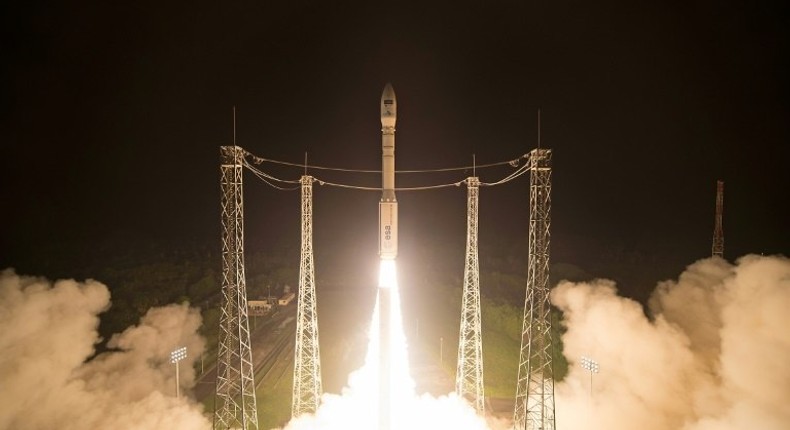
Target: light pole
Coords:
[(591, 366), (176, 356)]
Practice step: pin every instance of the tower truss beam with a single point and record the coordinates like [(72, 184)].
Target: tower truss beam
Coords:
[(235, 390), (469, 375), (307, 359), (718, 229), (534, 409)]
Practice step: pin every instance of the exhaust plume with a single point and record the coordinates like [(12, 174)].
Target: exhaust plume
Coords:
[(713, 357), (47, 334)]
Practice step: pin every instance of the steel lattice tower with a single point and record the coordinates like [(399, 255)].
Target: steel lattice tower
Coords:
[(718, 229), (535, 390), (469, 375), (235, 391), (307, 360)]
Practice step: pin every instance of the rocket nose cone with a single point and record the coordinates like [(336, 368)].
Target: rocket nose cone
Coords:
[(389, 106), (388, 93)]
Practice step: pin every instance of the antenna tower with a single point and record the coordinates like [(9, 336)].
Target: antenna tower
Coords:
[(535, 389), (235, 391), (307, 360), (469, 376), (718, 229)]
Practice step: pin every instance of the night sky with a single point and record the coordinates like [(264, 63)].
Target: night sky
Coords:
[(112, 114)]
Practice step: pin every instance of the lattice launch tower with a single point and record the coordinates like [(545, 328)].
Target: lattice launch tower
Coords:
[(235, 391), (307, 359), (534, 408), (469, 376)]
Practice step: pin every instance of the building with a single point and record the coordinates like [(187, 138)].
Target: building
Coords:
[(286, 299), (258, 308)]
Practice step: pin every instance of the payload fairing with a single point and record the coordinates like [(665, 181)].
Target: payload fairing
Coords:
[(388, 206)]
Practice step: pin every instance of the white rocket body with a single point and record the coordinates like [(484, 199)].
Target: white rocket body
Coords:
[(388, 206)]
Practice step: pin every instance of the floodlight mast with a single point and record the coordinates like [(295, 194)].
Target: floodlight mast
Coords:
[(718, 229), (176, 356), (592, 366)]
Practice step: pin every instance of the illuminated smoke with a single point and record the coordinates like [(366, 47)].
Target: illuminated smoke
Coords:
[(48, 331), (715, 356)]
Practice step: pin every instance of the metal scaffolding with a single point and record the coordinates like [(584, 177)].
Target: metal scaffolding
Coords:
[(718, 229), (307, 359), (235, 391), (534, 408), (469, 376)]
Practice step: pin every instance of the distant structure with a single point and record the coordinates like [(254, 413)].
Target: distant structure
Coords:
[(718, 229), (469, 376), (534, 408), (258, 308), (307, 360), (236, 406), (286, 299)]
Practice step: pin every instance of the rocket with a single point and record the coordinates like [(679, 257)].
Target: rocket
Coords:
[(388, 249), (388, 206)]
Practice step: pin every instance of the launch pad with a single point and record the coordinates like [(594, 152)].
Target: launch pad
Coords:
[(534, 394)]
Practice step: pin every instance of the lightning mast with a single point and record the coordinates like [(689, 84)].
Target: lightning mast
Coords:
[(307, 360), (718, 229), (534, 408), (469, 376), (235, 391)]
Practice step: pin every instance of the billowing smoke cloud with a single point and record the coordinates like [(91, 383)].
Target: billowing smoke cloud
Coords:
[(47, 334), (714, 356)]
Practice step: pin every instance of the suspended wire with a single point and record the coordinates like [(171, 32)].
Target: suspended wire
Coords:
[(521, 170), (358, 187), (276, 186), (269, 179), (258, 172), (259, 160)]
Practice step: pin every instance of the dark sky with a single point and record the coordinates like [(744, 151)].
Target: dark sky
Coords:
[(113, 113)]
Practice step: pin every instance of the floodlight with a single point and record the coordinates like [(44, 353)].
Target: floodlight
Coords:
[(592, 366), (176, 356)]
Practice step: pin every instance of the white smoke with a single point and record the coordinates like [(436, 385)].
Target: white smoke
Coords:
[(47, 335), (716, 355)]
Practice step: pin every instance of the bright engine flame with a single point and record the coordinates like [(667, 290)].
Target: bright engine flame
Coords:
[(388, 275), (357, 408), (400, 386)]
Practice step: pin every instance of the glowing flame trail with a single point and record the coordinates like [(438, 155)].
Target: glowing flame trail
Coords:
[(395, 383), (357, 407)]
